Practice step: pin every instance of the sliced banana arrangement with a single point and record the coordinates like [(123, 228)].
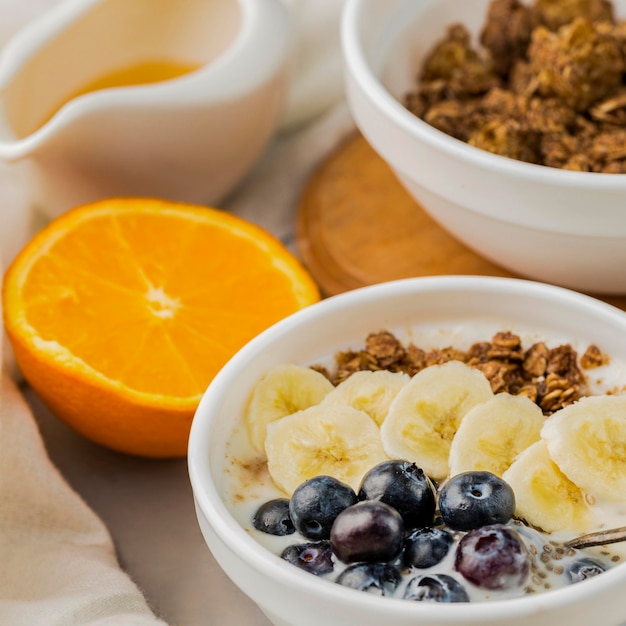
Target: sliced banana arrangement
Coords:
[(493, 433), (331, 440), (544, 496), (563, 468), (427, 412), (587, 440), (369, 391), (285, 389)]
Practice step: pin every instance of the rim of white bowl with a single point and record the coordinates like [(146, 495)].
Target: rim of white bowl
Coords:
[(368, 80), (258, 557)]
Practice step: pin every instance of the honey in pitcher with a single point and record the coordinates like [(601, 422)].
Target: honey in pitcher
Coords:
[(143, 73)]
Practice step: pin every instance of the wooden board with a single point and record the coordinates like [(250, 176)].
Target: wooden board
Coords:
[(357, 226)]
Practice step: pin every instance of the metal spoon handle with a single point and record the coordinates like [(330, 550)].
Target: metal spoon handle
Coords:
[(600, 538)]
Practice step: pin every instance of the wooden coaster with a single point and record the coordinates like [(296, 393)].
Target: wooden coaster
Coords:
[(357, 226)]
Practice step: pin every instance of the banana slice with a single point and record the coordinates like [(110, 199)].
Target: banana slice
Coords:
[(285, 389), (367, 391), (544, 496), (587, 440), (426, 413), (492, 434), (332, 440)]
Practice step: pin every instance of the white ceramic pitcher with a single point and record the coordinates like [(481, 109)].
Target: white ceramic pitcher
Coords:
[(190, 138)]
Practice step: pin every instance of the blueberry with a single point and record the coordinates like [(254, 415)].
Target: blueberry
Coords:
[(405, 487), (315, 558), (426, 547), (584, 568), (435, 588), (474, 499), (369, 531), (316, 503), (380, 578), (493, 557), (272, 518)]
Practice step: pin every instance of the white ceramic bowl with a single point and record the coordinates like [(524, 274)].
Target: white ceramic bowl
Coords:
[(291, 597), (563, 227)]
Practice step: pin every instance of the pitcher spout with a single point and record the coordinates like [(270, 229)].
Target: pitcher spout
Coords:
[(14, 150), (168, 98)]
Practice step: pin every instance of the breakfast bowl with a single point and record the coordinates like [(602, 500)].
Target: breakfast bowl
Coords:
[(545, 223), (230, 478)]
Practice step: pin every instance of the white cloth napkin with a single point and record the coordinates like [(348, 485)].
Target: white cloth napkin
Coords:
[(58, 565)]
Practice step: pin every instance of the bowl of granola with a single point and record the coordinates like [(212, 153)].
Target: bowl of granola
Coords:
[(431, 451), (505, 121)]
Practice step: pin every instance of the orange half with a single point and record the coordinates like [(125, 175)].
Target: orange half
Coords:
[(121, 312)]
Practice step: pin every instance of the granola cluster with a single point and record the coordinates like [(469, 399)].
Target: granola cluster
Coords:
[(545, 84), (550, 377)]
